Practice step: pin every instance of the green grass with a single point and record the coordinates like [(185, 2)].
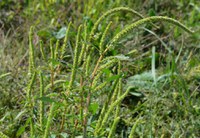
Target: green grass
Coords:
[(94, 70)]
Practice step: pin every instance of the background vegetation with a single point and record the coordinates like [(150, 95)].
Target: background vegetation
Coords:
[(148, 85)]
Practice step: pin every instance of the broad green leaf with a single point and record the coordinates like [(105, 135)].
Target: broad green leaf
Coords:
[(53, 136), (44, 33), (152, 12), (112, 78), (144, 80), (61, 33), (106, 71), (93, 107), (79, 137), (46, 99), (137, 94), (49, 100), (21, 130), (64, 135), (54, 62)]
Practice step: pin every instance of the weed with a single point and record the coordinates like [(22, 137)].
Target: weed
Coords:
[(93, 92)]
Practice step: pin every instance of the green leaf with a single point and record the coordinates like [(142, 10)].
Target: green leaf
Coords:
[(54, 62), (53, 136), (49, 100), (44, 33), (21, 130), (93, 107), (152, 12), (144, 80), (61, 33), (106, 71), (112, 78), (79, 137), (64, 135), (137, 94), (46, 99)]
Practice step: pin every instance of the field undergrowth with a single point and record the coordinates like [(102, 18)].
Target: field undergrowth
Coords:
[(98, 69)]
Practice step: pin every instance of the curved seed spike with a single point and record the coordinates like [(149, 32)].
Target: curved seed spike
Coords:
[(109, 13), (101, 86), (147, 20), (108, 58), (134, 25), (107, 65)]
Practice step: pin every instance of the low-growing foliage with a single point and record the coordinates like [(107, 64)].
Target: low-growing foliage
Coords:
[(88, 70), (82, 87)]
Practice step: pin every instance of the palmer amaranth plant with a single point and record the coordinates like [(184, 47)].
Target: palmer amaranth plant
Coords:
[(76, 103)]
